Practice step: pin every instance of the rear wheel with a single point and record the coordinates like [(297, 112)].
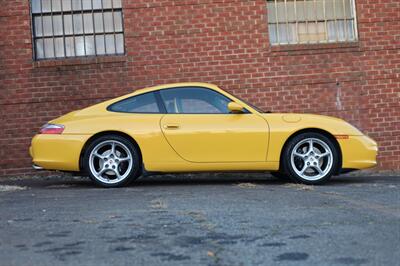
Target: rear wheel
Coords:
[(112, 161), (310, 158)]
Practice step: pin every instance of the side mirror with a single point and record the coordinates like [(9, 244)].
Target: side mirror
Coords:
[(235, 108)]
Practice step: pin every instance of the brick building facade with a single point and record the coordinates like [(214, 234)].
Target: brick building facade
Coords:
[(226, 42)]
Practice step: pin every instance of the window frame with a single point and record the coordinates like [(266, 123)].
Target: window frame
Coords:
[(163, 109), (245, 111), (64, 36), (297, 42), (157, 97)]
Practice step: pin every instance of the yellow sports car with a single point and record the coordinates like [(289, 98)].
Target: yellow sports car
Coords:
[(193, 127)]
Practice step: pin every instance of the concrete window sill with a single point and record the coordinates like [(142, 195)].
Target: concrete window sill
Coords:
[(319, 46), (80, 61)]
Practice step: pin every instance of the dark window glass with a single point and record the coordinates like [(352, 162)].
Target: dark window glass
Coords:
[(70, 28), (145, 103), (190, 100)]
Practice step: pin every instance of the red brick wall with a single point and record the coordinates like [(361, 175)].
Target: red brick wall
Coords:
[(223, 42)]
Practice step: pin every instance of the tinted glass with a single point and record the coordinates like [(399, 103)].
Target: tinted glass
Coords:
[(191, 100), (145, 103)]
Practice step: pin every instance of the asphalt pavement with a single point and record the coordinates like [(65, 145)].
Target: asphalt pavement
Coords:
[(207, 219)]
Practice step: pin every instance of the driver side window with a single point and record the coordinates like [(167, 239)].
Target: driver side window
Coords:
[(192, 100)]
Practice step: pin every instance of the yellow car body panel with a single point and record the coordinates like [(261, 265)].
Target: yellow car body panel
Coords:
[(358, 151), (57, 152), (197, 142), (209, 138)]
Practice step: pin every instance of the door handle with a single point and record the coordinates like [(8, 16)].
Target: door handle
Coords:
[(171, 126)]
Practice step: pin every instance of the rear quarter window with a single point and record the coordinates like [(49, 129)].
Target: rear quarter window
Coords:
[(144, 103)]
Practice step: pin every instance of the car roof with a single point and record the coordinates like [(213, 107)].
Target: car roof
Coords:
[(214, 87), (177, 85)]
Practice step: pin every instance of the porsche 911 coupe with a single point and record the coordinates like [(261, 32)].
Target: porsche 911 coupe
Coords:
[(195, 127)]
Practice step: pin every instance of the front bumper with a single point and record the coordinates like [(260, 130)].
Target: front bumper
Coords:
[(57, 152), (358, 152)]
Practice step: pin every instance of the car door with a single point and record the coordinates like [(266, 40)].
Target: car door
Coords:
[(200, 128)]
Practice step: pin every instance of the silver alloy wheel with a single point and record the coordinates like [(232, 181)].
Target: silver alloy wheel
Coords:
[(110, 161), (312, 159)]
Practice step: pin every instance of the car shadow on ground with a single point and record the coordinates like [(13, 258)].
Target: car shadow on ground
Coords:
[(234, 179), (220, 179)]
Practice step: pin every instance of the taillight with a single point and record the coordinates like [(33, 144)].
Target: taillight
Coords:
[(52, 129)]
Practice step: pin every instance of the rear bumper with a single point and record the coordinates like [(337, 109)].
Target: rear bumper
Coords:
[(37, 167), (358, 152), (57, 152)]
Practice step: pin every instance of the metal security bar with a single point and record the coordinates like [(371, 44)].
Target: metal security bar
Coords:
[(311, 21), (72, 28)]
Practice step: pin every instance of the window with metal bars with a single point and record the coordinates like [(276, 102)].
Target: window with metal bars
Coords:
[(311, 21), (72, 28)]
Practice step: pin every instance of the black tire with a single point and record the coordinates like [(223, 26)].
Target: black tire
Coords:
[(288, 167), (131, 174)]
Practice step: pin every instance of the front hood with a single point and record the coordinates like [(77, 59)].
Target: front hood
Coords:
[(298, 116), (334, 125)]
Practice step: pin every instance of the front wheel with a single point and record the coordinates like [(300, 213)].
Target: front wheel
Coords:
[(112, 161), (310, 158)]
